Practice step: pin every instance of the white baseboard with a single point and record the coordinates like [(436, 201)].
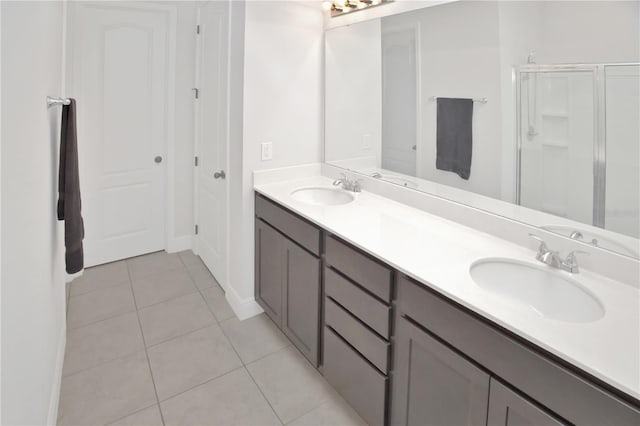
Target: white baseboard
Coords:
[(54, 400), (182, 243), (243, 308)]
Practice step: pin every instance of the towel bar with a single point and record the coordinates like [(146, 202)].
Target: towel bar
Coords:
[(481, 100), (56, 101)]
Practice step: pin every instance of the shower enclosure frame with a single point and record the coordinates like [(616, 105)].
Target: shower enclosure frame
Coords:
[(599, 126)]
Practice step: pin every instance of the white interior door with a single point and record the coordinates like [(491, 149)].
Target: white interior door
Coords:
[(212, 136), (120, 79), (399, 100)]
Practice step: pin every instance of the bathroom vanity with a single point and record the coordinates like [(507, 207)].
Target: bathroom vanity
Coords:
[(409, 343)]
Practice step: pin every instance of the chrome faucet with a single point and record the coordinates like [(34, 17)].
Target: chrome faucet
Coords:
[(348, 184), (576, 235), (553, 259)]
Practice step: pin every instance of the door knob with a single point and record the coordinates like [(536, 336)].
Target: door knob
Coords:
[(219, 175), (158, 159)]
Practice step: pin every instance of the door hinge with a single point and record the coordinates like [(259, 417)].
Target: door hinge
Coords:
[(196, 161), (196, 92), (196, 229), (197, 29)]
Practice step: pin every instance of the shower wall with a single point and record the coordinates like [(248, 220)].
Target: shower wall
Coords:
[(623, 150)]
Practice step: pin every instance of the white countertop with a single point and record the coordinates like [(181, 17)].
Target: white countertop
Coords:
[(438, 253)]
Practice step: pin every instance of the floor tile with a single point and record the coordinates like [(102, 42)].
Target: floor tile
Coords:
[(215, 298), (202, 276), (156, 288), (187, 361), (174, 318), (233, 399), (153, 263), (102, 341), (102, 276), (108, 392), (255, 337), (189, 258), (99, 305), (332, 413), (290, 384), (147, 417)]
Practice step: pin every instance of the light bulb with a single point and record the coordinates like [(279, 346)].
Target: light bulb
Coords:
[(340, 3), (327, 5)]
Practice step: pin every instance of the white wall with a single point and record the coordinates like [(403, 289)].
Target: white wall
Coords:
[(33, 293), (283, 45), (353, 92)]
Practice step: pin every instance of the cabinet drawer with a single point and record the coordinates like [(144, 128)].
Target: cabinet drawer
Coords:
[(294, 227), (361, 304), (372, 347), (359, 267), (364, 388), (519, 363)]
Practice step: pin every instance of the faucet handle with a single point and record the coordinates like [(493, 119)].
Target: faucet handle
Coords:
[(572, 258), (543, 245), (571, 261), (356, 185)]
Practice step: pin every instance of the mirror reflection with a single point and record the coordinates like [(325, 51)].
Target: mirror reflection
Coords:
[(525, 109)]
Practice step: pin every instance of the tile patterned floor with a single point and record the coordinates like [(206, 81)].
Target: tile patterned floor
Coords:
[(152, 341)]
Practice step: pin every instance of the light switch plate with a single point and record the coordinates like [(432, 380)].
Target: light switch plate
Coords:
[(267, 151)]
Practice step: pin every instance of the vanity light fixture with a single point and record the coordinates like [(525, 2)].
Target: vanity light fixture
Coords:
[(340, 7)]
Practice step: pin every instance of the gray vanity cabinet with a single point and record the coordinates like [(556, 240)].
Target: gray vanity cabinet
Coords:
[(434, 385), (357, 317), (507, 408), (301, 300), (401, 353), (426, 320), (287, 274), (269, 272)]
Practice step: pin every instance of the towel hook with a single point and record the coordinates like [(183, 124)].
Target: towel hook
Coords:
[(57, 101)]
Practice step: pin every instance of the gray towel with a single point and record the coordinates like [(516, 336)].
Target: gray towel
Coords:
[(69, 203), (454, 136)]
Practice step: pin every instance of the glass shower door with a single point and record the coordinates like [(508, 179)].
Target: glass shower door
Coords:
[(558, 140)]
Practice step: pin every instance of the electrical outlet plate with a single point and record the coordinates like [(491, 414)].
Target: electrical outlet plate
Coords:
[(267, 151)]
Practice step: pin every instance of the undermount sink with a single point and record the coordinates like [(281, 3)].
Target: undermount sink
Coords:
[(547, 292), (320, 196)]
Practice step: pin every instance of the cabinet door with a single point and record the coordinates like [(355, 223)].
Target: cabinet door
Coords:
[(270, 252), (433, 385), (507, 408), (301, 300)]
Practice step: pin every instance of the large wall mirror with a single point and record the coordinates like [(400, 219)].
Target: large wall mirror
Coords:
[(525, 109)]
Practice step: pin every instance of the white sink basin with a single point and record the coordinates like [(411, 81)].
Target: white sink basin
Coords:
[(547, 292), (321, 196)]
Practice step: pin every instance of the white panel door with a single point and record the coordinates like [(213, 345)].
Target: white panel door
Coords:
[(120, 80), (399, 100), (212, 136)]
